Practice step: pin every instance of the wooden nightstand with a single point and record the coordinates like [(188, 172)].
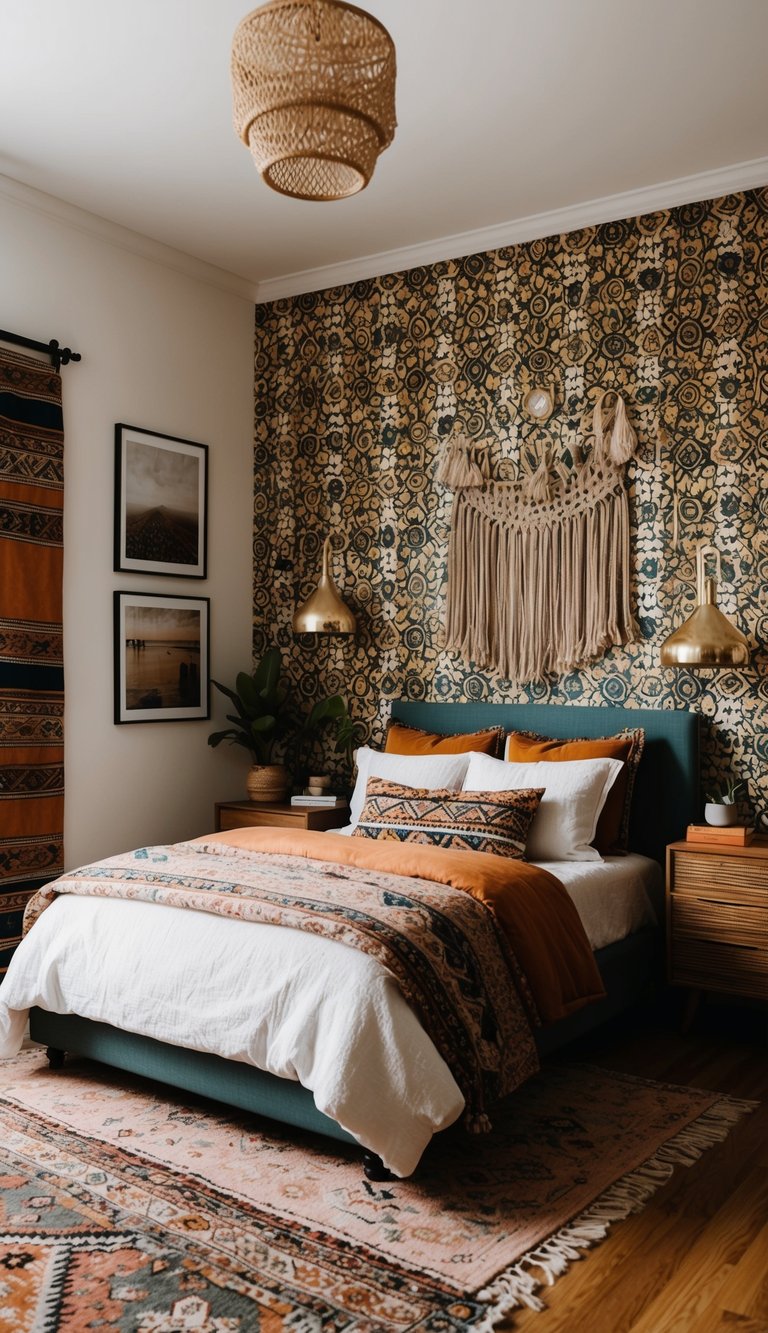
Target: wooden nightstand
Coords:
[(280, 814), (717, 917)]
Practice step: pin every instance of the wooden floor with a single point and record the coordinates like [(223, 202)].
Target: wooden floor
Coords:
[(695, 1260)]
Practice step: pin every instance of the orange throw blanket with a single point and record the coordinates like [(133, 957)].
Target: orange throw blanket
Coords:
[(535, 916)]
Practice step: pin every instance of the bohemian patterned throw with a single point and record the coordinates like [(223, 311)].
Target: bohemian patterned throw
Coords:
[(31, 661), (442, 946), (494, 821), (125, 1207), (467, 936)]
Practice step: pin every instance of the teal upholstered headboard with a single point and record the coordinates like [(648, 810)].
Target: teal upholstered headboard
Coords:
[(666, 796)]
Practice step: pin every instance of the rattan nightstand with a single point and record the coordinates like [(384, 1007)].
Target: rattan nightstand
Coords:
[(717, 917)]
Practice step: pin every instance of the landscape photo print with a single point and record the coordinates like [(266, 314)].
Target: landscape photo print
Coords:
[(161, 485), (161, 657)]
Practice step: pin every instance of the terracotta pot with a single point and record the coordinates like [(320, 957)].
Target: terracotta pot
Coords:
[(267, 782), (720, 815)]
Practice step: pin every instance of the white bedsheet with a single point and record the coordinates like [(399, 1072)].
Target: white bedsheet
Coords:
[(292, 1003), (613, 897)]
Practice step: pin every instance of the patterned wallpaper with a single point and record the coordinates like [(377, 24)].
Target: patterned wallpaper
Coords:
[(358, 387)]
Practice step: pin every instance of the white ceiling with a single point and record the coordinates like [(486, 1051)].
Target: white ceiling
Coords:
[(507, 109)]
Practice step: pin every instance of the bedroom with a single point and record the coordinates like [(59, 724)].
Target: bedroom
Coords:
[(151, 269)]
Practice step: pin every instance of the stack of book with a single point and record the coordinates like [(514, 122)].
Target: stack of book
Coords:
[(327, 798), (728, 835)]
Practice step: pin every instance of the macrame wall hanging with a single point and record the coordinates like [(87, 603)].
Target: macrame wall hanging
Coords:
[(538, 568)]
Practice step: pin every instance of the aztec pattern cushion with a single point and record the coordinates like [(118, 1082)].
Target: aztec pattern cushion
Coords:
[(404, 739), (496, 822), (612, 833)]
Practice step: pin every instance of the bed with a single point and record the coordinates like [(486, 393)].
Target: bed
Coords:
[(665, 800)]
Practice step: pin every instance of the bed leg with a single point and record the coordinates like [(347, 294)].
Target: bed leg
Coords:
[(55, 1057), (374, 1168)]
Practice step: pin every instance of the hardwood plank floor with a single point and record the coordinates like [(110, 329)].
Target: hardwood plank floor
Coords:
[(695, 1260)]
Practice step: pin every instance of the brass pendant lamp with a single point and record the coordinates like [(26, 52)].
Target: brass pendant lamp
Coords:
[(313, 89), (324, 611), (707, 638)]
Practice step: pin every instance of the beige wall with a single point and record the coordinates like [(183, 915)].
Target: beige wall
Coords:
[(172, 353)]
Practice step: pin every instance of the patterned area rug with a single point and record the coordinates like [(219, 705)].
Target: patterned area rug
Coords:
[(125, 1207)]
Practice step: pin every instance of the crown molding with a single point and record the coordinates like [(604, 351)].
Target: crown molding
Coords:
[(24, 196), (612, 208)]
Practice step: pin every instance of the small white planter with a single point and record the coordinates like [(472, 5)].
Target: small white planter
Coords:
[(721, 815)]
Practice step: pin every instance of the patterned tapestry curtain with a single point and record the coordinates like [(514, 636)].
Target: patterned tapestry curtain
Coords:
[(31, 661)]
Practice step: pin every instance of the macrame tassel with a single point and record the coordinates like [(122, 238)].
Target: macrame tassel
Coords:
[(539, 487), (462, 464), (615, 440), (623, 438)]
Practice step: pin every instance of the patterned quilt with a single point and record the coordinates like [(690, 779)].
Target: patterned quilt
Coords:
[(453, 963)]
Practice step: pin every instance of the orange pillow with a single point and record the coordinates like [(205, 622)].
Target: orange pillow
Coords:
[(403, 739), (525, 747)]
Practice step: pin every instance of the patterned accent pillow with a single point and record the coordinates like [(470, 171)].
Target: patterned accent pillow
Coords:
[(612, 832), (494, 821), (402, 738)]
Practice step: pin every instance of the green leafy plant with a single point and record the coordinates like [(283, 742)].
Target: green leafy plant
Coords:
[(262, 716), (725, 795), (331, 712), (265, 716)]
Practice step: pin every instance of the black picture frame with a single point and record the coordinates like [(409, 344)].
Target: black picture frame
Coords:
[(162, 656), (161, 504)]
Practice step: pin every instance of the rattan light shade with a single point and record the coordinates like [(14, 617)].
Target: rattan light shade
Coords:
[(313, 86)]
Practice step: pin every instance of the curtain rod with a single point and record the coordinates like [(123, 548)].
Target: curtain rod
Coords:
[(60, 356)]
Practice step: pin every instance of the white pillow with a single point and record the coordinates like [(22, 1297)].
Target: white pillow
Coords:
[(412, 770), (575, 791)]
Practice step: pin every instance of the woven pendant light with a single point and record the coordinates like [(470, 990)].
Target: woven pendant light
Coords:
[(707, 638), (313, 86)]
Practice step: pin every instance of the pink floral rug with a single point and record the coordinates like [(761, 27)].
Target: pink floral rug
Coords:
[(125, 1206)]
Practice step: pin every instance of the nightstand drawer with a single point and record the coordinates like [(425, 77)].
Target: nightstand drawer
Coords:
[(726, 878), (723, 967), (279, 814), (727, 923), (229, 819)]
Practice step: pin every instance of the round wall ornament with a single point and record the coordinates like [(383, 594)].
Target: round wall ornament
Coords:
[(539, 402)]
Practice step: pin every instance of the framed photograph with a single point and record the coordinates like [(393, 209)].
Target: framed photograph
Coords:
[(161, 657), (161, 503)]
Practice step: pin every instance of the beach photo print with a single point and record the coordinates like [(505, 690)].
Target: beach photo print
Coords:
[(161, 657)]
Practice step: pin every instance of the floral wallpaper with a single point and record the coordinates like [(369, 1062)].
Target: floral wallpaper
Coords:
[(357, 388)]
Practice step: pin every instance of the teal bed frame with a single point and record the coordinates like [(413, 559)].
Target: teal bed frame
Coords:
[(666, 799)]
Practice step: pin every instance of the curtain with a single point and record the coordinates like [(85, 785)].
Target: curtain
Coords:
[(31, 660)]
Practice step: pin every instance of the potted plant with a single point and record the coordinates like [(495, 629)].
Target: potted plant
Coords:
[(261, 718), (265, 717), (721, 808), (330, 712)]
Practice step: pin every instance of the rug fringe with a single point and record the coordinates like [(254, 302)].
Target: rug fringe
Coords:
[(517, 1286)]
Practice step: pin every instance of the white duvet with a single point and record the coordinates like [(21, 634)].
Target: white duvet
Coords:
[(292, 1003)]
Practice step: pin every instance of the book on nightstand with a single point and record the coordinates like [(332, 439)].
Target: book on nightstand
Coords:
[(316, 800), (727, 835)]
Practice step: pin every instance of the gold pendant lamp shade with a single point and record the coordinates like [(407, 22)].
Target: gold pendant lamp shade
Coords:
[(707, 638), (313, 87), (324, 612)]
